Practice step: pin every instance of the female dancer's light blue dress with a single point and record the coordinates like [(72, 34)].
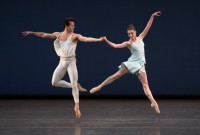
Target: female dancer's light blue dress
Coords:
[(136, 61)]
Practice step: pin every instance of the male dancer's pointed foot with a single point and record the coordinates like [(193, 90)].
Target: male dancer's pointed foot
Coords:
[(77, 112), (95, 89), (80, 88), (155, 106)]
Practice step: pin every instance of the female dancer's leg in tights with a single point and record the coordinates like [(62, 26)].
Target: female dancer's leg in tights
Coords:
[(110, 79), (143, 79), (73, 76)]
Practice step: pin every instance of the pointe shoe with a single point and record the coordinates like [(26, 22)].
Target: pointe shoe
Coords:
[(80, 88), (95, 89), (155, 106), (77, 113)]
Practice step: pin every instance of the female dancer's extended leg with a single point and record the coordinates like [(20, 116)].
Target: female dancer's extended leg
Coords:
[(110, 79), (143, 79)]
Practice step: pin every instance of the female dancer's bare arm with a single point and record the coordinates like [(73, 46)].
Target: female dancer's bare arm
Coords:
[(148, 26), (122, 45)]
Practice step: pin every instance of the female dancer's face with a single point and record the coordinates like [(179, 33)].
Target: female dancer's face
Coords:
[(131, 34)]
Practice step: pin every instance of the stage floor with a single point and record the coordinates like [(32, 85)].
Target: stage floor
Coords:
[(99, 117)]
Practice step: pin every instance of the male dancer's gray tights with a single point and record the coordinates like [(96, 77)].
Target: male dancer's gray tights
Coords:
[(67, 64)]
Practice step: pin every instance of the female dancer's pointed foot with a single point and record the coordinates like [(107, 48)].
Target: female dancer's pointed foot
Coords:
[(80, 88), (95, 89), (77, 112), (155, 106)]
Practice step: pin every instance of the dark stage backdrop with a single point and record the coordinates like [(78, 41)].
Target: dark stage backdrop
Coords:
[(172, 45)]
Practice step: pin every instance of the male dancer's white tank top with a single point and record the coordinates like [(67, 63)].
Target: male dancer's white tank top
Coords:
[(66, 48)]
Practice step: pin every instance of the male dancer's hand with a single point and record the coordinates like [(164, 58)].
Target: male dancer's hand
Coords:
[(26, 33), (101, 39), (104, 38)]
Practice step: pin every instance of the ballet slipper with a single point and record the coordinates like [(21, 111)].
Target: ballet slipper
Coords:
[(80, 88), (77, 112), (95, 89), (155, 106)]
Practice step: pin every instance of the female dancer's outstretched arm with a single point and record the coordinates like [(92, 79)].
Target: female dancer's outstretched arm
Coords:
[(148, 26), (122, 45)]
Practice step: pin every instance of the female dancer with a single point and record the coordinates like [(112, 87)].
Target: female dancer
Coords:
[(135, 63), (65, 47)]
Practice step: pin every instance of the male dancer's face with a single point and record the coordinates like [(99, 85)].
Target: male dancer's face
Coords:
[(71, 27)]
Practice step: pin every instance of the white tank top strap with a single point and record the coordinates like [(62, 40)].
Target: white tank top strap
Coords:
[(59, 35), (70, 37)]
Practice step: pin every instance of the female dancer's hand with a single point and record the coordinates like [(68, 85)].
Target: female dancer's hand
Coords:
[(104, 38), (158, 13)]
